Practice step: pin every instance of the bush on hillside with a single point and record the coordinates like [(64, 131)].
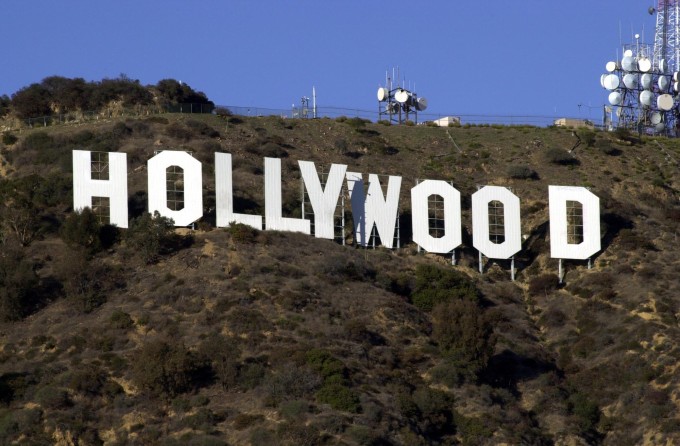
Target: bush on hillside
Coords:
[(543, 284), (556, 155), (165, 370), (521, 172), (464, 335), (150, 236), (18, 282), (9, 139), (82, 229), (436, 285)]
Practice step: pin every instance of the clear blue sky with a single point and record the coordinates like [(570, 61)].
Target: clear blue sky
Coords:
[(498, 57)]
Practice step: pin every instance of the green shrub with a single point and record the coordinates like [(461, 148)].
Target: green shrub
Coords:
[(241, 233), (223, 112), (339, 397), (521, 172), (324, 363), (555, 155), (201, 128), (464, 335), (51, 397), (587, 413), (165, 370), (88, 380), (18, 285), (543, 284), (587, 136), (294, 410), (150, 236), (82, 229), (436, 285), (244, 420), (224, 355), (9, 139), (121, 319)]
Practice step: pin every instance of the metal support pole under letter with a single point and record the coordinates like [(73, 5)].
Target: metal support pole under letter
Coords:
[(560, 271), (481, 266), (512, 268)]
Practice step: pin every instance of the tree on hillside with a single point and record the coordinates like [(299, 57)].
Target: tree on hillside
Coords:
[(18, 281), (4, 105), (67, 94), (464, 335), (32, 102), (175, 92), (122, 88)]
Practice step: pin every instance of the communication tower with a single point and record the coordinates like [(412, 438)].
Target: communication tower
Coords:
[(398, 104), (644, 84)]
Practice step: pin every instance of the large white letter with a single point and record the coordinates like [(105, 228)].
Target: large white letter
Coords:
[(272, 204), (375, 209), (420, 216), (224, 196), (323, 201), (511, 219), (560, 248), (193, 185), (115, 188)]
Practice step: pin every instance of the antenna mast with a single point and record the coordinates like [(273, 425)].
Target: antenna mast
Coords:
[(644, 84), (667, 35)]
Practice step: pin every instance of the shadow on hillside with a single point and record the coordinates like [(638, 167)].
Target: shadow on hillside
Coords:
[(507, 369), (613, 224), (533, 246), (47, 290)]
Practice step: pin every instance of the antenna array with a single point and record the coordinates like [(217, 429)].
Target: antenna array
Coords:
[(398, 104), (644, 86)]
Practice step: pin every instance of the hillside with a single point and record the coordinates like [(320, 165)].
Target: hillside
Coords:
[(213, 336)]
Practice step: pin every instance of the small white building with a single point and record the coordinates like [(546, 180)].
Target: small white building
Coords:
[(574, 123), (446, 121)]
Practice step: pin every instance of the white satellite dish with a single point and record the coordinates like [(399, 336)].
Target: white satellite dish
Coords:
[(646, 98), (611, 66), (615, 98), (655, 118), (402, 96), (675, 76), (628, 53), (664, 102), (630, 80), (602, 79), (646, 81), (660, 127), (611, 82), (645, 64), (421, 104), (663, 66), (383, 94), (663, 83), (676, 86), (628, 63)]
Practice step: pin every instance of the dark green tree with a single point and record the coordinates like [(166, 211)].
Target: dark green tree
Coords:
[(149, 236), (436, 285), (17, 284), (164, 369), (82, 229), (32, 102), (464, 335)]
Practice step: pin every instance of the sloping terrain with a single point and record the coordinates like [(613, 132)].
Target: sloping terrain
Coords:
[(231, 336)]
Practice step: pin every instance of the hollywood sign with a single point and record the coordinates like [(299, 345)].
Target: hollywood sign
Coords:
[(373, 208)]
